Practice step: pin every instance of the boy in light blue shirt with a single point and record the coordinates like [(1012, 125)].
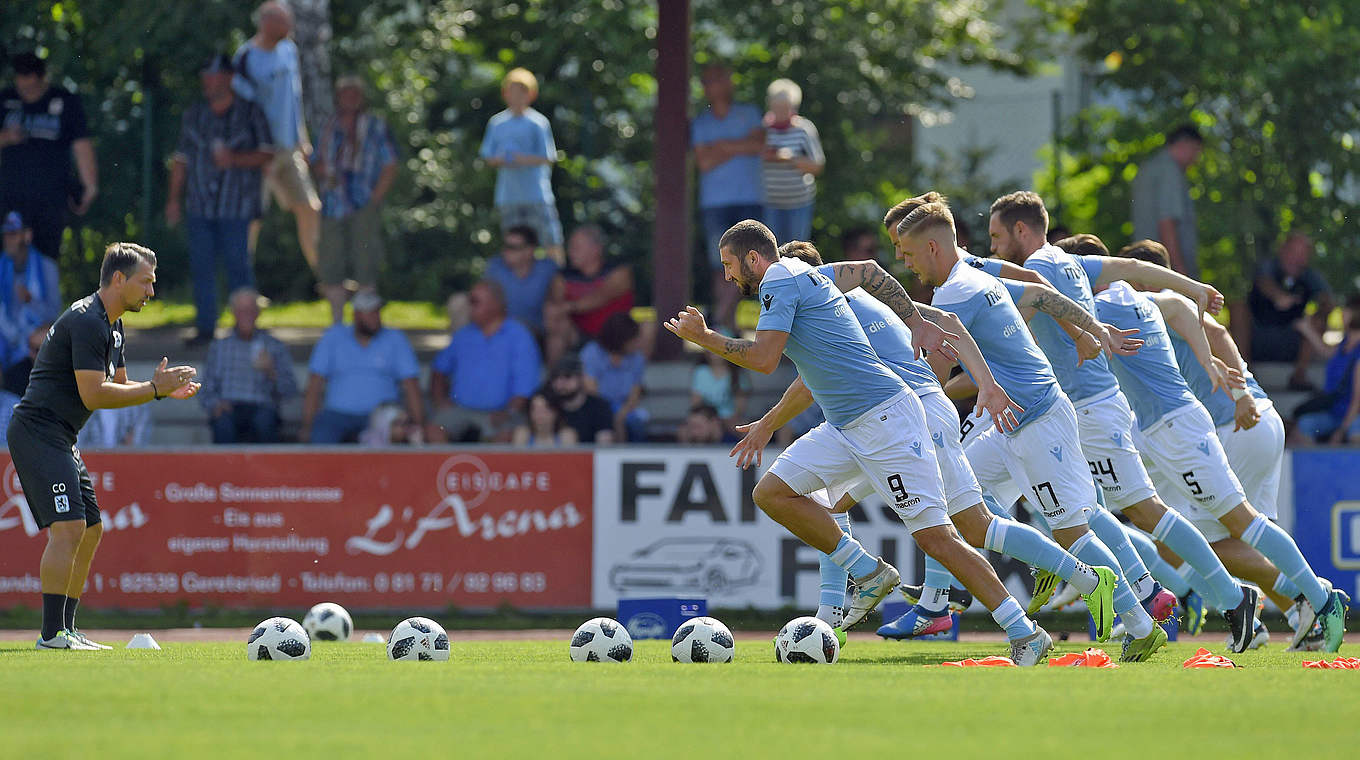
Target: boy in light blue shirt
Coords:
[(519, 145), (875, 427)]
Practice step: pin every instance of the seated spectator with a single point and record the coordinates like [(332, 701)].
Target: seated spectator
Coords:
[(480, 383), (722, 385), (702, 426), (7, 402), (390, 424), (614, 367), (1280, 329), (584, 412), (122, 428), (594, 289), (30, 300), (528, 282), (1336, 415), (545, 428), (248, 374), (354, 369)]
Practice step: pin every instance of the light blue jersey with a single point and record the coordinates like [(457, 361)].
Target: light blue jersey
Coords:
[(986, 307), (1072, 276), (889, 336), (1151, 378), (825, 342), (1220, 403)]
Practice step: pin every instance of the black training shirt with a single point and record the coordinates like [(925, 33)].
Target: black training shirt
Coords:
[(40, 166), (81, 338)]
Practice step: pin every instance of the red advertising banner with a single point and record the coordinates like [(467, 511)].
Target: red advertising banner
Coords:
[(368, 529)]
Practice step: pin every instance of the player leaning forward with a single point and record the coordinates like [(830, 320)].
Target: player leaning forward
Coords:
[(80, 368), (875, 426)]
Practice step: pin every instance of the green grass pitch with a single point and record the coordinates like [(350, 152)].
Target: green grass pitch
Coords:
[(527, 699)]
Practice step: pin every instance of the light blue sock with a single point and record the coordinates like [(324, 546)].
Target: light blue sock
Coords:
[(936, 576), (1286, 587), (1090, 550), (1011, 617), (1271, 540), (1161, 570), (994, 506), (833, 576), (1031, 547), (1182, 538), (850, 556), (1111, 533), (1196, 581)]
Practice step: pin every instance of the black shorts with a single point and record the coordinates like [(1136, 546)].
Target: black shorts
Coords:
[(56, 484)]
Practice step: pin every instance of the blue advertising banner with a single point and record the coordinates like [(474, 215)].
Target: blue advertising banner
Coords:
[(1327, 514)]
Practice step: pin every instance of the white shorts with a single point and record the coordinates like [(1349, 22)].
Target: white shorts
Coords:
[(1190, 463), (1256, 457), (1106, 427), (889, 445), (1006, 493), (1045, 463)]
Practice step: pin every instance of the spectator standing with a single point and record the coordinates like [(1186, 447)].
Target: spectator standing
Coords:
[(42, 128), (519, 145), (1281, 330), (720, 384), (790, 164), (1162, 209), (268, 75), (355, 162), (728, 140), (246, 378), (480, 383), (30, 300), (223, 147), (584, 412), (544, 428), (121, 428), (593, 290), (528, 282), (614, 368), (1339, 420), (353, 370)]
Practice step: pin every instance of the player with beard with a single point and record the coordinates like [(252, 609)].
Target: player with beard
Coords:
[(80, 368)]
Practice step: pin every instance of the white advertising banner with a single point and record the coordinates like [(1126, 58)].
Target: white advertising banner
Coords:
[(679, 522)]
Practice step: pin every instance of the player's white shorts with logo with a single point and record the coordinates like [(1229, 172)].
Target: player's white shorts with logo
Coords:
[(1045, 463), (889, 445), (1006, 492), (1256, 457), (961, 487), (1106, 427), (1189, 466)]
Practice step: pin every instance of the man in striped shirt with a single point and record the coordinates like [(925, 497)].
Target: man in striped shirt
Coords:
[(247, 376)]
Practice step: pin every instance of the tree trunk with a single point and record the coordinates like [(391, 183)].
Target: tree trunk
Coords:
[(312, 33)]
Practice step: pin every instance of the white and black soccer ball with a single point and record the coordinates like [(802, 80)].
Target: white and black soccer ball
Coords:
[(601, 640), (418, 638), (279, 638), (328, 621), (702, 639), (807, 639)]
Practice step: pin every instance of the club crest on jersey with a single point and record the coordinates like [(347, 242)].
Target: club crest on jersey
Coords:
[(767, 299), (1056, 451), (1203, 447)]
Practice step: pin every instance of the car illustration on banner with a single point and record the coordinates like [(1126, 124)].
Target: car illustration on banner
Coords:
[(714, 566)]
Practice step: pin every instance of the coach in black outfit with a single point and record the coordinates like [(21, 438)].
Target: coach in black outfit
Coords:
[(78, 369)]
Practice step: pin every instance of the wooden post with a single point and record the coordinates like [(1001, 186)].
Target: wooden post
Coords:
[(671, 251)]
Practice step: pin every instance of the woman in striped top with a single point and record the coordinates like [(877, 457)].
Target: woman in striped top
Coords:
[(792, 160)]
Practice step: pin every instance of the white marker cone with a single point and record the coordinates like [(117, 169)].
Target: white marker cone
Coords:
[(143, 641), (373, 638)]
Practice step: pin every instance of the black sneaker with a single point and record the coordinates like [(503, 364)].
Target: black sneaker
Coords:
[(959, 599), (1242, 621)]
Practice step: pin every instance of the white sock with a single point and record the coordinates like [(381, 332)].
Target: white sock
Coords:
[(1137, 622), (1292, 615), (934, 599), (1084, 578), (831, 615)]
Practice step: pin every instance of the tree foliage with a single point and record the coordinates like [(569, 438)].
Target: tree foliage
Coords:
[(1275, 87), (866, 66)]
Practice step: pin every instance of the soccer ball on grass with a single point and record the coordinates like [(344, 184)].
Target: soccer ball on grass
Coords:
[(702, 639), (418, 638), (279, 638), (806, 639), (601, 640), (328, 621)]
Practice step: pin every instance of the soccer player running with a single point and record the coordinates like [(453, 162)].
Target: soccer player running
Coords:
[(875, 427), (891, 341), (1252, 435), (1018, 227), (1177, 435), (1043, 454), (80, 368)]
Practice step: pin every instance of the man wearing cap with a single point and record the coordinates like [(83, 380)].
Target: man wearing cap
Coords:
[(353, 370), (481, 383), (223, 145), (247, 375), (355, 164), (30, 299), (41, 128)]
